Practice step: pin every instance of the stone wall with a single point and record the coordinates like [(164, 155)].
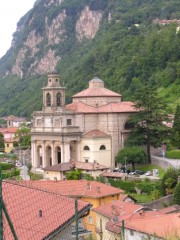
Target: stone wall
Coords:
[(161, 163), (161, 203)]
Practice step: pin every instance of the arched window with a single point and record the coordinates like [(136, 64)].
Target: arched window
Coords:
[(102, 147), (86, 148), (58, 99), (48, 100)]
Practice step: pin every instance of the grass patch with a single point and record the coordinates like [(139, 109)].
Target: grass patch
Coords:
[(173, 154), (35, 176), (142, 198)]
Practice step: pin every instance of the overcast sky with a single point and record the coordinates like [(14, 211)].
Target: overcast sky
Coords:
[(10, 13)]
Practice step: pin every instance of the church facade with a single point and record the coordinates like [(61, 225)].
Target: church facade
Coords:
[(90, 129)]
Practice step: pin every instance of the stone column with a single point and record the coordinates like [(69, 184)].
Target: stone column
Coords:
[(44, 161), (53, 153), (66, 152), (78, 152), (33, 153)]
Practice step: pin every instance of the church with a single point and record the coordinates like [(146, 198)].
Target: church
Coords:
[(91, 129)]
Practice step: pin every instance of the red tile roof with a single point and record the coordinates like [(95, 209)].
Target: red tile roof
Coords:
[(8, 130), (124, 210), (62, 167), (81, 188), (81, 107), (170, 209), (96, 92), (164, 225), (96, 134), (24, 204), (113, 174)]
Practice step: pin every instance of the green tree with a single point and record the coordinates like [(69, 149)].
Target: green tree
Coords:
[(169, 180), (131, 155), (23, 135), (2, 142), (148, 121), (176, 197), (176, 128), (75, 174)]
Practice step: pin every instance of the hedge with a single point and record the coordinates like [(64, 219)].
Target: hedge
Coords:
[(174, 154), (11, 174), (129, 187), (6, 166)]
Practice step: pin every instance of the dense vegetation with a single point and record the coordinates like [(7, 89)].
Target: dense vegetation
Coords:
[(127, 52)]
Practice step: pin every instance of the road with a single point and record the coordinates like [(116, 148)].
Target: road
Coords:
[(174, 162)]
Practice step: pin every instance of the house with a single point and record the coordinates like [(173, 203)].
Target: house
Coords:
[(13, 121), (96, 193), (133, 222), (57, 172), (91, 129), (9, 138), (39, 214), (164, 226)]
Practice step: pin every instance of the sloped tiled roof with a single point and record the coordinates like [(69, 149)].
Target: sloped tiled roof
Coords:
[(82, 188), (96, 92), (164, 225), (170, 209), (35, 214), (114, 107), (96, 134), (8, 130), (62, 167)]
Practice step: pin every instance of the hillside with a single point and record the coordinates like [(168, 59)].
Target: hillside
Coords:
[(122, 42)]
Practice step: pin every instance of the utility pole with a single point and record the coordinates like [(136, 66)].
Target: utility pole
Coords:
[(76, 217)]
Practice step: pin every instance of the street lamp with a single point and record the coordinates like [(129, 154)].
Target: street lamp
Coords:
[(125, 164)]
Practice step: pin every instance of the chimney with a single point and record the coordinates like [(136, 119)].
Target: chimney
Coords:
[(40, 213), (98, 189), (88, 185)]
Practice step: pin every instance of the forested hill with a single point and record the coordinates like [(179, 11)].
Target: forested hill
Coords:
[(126, 43)]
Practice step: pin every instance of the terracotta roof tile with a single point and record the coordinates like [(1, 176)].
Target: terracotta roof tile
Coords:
[(96, 92), (170, 209), (62, 167), (113, 174), (23, 204), (96, 134), (8, 130), (72, 188), (164, 225), (81, 107)]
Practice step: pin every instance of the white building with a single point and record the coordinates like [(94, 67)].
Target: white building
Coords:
[(90, 129)]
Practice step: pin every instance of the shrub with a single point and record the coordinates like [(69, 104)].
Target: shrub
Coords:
[(176, 198), (6, 166), (169, 180), (15, 172), (128, 187), (174, 154), (149, 187)]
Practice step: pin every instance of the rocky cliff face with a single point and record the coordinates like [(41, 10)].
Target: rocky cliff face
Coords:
[(38, 52)]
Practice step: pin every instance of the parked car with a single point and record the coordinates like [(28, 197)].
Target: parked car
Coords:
[(116, 170), (148, 173), (137, 172)]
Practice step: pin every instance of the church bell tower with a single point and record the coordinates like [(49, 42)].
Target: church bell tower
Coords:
[(53, 94)]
